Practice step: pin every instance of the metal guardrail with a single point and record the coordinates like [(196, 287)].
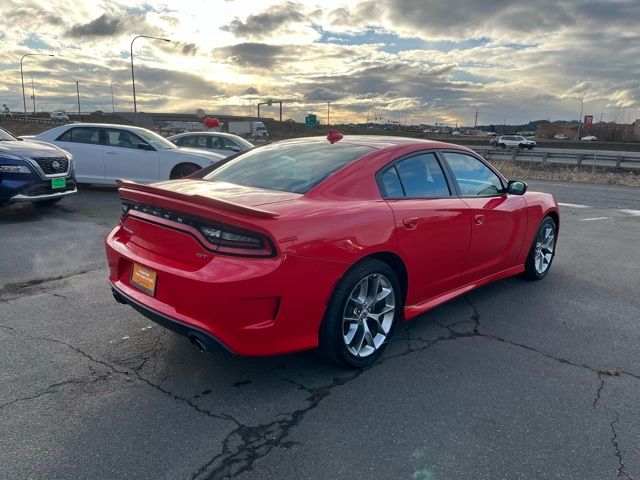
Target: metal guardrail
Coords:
[(47, 121), (591, 159)]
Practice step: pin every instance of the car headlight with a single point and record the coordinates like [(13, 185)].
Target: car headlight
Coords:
[(14, 169)]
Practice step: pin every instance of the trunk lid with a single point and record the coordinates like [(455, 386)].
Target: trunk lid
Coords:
[(167, 218)]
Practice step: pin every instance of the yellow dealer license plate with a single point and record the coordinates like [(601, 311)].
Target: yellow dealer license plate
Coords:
[(144, 279)]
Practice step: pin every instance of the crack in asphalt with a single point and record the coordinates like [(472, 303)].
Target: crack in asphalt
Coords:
[(127, 374), (618, 452), (244, 445), (599, 391), (54, 388), (12, 291)]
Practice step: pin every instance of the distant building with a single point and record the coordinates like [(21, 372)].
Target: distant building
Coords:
[(608, 132)]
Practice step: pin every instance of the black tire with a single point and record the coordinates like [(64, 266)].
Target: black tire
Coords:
[(502, 145), (183, 170), (331, 341), (530, 147), (521, 146), (47, 203), (530, 270)]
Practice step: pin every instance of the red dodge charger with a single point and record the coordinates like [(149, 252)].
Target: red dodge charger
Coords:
[(323, 243)]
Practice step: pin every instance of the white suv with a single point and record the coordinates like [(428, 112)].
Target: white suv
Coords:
[(512, 141)]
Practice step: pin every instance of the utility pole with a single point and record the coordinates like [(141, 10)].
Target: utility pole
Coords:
[(113, 105), (328, 112), (580, 118), (78, 94), (475, 123), (33, 95)]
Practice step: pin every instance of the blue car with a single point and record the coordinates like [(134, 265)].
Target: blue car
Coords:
[(34, 171)]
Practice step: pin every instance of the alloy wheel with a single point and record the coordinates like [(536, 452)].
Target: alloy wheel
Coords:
[(368, 315), (545, 243)]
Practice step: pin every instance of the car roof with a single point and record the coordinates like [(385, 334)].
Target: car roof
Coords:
[(219, 134), (104, 125), (376, 141)]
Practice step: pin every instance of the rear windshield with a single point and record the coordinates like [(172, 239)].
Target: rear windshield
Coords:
[(294, 167)]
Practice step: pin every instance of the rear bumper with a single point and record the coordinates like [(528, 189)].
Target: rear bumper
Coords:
[(211, 342), (252, 306)]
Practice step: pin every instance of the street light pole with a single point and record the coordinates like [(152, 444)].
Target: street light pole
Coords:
[(581, 111), (24, 98), (33, 95), (133, 78), (113, 105), (78, 94)]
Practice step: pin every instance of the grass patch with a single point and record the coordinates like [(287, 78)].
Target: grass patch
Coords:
[(565, 173)]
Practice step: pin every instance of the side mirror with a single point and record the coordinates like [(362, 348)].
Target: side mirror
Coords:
[(235, 149), (516, 187), (144, 146)]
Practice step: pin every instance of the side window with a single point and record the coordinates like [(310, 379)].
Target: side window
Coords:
[(194, 141), (81, 135), (474, 177), (122, 139), (391, 186), (225, 143)]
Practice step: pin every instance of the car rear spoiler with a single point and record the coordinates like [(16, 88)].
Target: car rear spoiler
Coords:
[(203, 200)]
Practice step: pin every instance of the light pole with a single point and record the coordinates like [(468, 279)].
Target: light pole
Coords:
[(33, 95), (78, 94), (24, 98), (579, 118), (133, 78), (113, 105)]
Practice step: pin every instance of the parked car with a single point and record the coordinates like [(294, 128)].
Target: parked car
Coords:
[(223, 143), (560, 136), (60, 115), (5, 112), (34, 172), (512, 141), (589, 138), (106, 152), (306, 243)]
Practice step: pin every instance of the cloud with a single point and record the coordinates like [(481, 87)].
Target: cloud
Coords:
[(427, 58), (252, 55), (188, 48), (322, 94), (104, 26), (274, 19)]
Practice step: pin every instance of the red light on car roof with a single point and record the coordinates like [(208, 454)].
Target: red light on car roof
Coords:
[(334, 136)]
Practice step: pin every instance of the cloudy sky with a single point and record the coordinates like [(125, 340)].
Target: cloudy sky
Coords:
[(419, 61)]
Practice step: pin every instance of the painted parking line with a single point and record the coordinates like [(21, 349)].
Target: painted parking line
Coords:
[(573, 205), (635, 213), (594, 218)]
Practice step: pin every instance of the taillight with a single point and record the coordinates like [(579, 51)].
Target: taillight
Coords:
[(235, 242), (222, 238)]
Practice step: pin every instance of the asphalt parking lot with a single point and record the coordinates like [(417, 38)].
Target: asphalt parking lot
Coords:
[(515, 380)]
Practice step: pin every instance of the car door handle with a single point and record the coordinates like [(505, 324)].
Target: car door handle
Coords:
[(410, 222), (111, 153), (478, 219)]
